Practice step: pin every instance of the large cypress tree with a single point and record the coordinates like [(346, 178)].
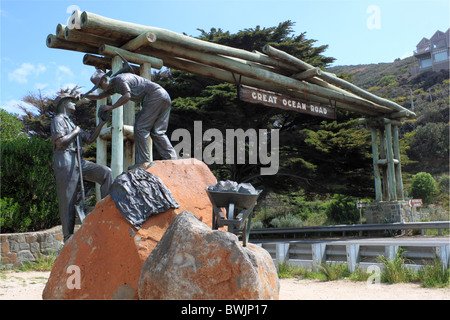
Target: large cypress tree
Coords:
[(315, 154)]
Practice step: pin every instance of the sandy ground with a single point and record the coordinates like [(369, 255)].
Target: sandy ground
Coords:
[(22, 285), (29, 286), (292, 289)]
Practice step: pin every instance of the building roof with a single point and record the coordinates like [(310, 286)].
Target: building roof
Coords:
[(437, 36)]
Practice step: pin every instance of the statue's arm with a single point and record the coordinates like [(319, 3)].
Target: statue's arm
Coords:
[(98, 96), (63, 141), (94, 135)]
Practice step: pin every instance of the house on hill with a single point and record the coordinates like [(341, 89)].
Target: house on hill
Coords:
[(433, 54)]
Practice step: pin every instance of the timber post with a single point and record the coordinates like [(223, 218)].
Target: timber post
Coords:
[(146, 72), (386, 158), (116, 128), (102, 151)]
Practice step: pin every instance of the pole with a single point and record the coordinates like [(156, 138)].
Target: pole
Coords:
[(117, 128), (102, 150), (146, 72)]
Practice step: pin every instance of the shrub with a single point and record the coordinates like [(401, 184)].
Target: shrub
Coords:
[(10, 127), (288, 220), (29, 200), (394, 270), (434, 275), (423, 187), (342, 209)]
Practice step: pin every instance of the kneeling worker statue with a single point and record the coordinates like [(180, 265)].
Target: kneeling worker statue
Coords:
[(152, 120), (65, 162)]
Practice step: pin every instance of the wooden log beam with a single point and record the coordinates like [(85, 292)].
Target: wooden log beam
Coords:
[(141, 40), (128, 133), (53, 42), (237, 67), (307, 74), (103, 63), (126, 31), (222, 75), (110, 51), (87, 38), (330, 78), (60, 30)]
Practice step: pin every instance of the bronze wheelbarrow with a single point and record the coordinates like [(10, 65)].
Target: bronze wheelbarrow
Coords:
[(239, 208)]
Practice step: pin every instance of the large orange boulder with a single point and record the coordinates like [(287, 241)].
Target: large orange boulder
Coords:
[(103, 260), (193, 262)]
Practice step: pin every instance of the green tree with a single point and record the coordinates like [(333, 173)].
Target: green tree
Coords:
[(423, 187), (28, 190), (342, 209), (10, 127), (341, 152), (336, 159), (429, 145)]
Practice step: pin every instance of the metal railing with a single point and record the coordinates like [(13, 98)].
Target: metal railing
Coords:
[(292, 231), (361, 253)]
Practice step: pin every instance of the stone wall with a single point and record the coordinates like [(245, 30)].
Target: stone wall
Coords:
[(17, 248)]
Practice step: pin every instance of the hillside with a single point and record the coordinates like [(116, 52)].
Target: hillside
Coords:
[(425, 139)]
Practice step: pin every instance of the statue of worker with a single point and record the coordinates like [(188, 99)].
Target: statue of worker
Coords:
[(65, 162), (152, 120)]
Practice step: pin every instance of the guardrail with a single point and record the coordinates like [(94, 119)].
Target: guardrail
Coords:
[(358, 253), (439, 225)]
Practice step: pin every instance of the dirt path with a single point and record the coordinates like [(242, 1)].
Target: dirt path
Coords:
[(292, 289), (22, 285), (29, 286)]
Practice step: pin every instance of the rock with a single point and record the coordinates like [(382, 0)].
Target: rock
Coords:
[(232, 186), (106, 254), (194, 262)]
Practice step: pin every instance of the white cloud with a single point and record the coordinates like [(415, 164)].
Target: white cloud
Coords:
[(12, 106), (63, 74), (26, 70), (63, 70)]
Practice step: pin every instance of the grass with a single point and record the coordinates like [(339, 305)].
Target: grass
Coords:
[(434, 275), (325, 271), (431, 275), (42, 263)]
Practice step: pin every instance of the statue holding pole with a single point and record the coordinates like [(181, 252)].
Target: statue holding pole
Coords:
[(68, 165)]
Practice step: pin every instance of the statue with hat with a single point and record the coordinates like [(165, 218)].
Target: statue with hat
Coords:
[(152, 120), (68, 166)]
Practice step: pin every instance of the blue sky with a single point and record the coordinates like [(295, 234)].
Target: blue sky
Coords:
[(357, 32)]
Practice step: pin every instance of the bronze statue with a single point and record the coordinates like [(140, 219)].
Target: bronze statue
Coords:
[(152, 120), (65, 163)]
